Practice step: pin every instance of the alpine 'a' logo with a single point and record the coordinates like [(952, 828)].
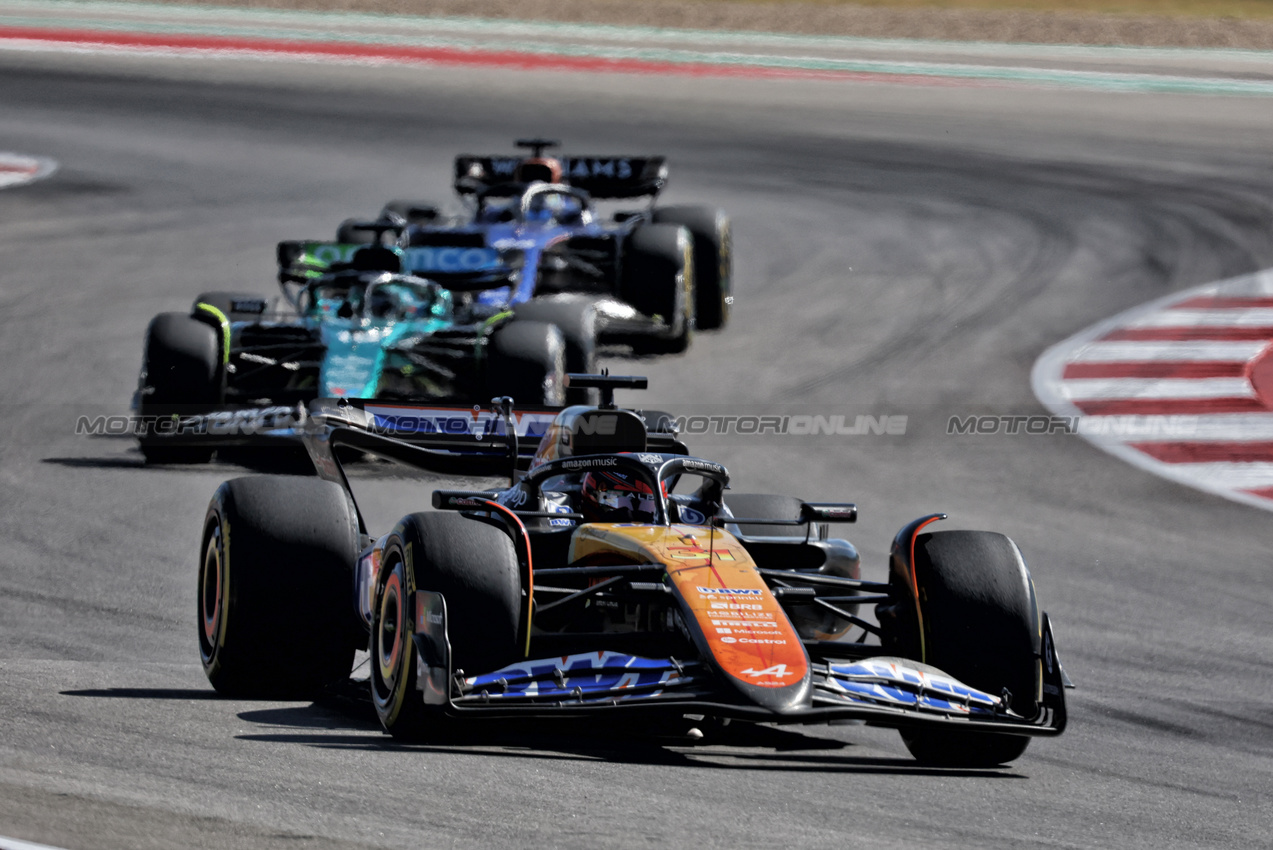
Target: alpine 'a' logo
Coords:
[(778, 670)]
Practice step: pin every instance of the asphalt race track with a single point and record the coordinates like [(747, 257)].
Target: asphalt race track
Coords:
[(900, 251)]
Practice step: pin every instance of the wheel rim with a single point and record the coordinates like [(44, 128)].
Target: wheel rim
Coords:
[(211, 596), (389, 650), (389, 629)]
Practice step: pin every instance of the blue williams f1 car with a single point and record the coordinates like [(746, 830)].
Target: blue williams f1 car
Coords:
[(532, 229), (615, 575)]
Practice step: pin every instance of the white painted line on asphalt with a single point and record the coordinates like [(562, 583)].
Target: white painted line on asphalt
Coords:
[(1091, 389), (15, 844), (1234, 317), (1229, 475), (18, 169), (1208, 351), (1207, 427)]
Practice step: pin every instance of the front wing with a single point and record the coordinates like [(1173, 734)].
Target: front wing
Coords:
[(883, 691)]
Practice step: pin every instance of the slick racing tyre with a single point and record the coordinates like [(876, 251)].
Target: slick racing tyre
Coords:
[(980, 625), (713, 260), (473, 565), (410, 212), (181, 375), (527, 361), (275, 577), (576, 318), (658, 280)]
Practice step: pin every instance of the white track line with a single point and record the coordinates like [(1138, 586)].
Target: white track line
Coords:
[(1094, 389), (1231, 317), (1206, 351), (18, 169), (1229, 475), (1208, 427), (15, 844)]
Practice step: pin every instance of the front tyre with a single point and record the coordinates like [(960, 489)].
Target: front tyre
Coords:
[(473, 565), (275, 577), (180, 375), (981, 625)]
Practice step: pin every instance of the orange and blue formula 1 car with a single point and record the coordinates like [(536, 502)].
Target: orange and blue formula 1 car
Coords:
[(615, 575)]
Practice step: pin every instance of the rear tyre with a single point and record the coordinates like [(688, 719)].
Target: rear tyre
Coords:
[(527, 360), (980, 625), (658, 280), (474, 566), (180, 375), (275, 576), (577, 321), (713, 260)]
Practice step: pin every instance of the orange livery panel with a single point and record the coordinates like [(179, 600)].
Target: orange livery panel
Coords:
[(734, 618)]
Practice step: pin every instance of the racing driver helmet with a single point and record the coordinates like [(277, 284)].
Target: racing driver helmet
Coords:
[(616, 497), (538, 169)]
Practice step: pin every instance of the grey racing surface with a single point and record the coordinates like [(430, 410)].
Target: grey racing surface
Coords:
[(900, 251)]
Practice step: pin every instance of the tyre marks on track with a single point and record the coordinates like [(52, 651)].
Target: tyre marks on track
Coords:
[(1181, 387)]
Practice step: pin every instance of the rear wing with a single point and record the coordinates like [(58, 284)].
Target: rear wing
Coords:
[(451, 440), (446, 438), (437, 437), (604, 177), (467, 432)]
